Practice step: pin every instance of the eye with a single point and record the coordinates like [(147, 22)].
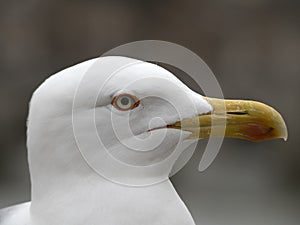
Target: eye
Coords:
[(125, 102)]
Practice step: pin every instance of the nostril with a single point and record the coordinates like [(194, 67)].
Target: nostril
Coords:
[(238, 113)]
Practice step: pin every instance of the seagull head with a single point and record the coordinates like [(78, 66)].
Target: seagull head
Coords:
[(130, 120)]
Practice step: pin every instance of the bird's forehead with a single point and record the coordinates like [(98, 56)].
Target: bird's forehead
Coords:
[(144, 78)]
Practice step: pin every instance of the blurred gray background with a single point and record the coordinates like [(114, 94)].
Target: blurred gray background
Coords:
[(252, 46)]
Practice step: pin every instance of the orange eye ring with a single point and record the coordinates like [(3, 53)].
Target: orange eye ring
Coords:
[(125, 102)]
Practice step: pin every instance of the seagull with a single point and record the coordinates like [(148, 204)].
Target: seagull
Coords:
[(143, 118)]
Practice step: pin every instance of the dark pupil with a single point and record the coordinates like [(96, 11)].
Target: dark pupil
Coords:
[(125, 101)]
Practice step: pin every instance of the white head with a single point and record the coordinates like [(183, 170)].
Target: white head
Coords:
[(117, 115), (109, 115)]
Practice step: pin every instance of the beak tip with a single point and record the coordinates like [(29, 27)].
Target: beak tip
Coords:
[(284, 136), (283, 132)]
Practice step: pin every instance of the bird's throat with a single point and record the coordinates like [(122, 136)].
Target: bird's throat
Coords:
[(98, 201)]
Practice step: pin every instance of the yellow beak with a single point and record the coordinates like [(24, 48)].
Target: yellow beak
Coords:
[(242, 119)]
